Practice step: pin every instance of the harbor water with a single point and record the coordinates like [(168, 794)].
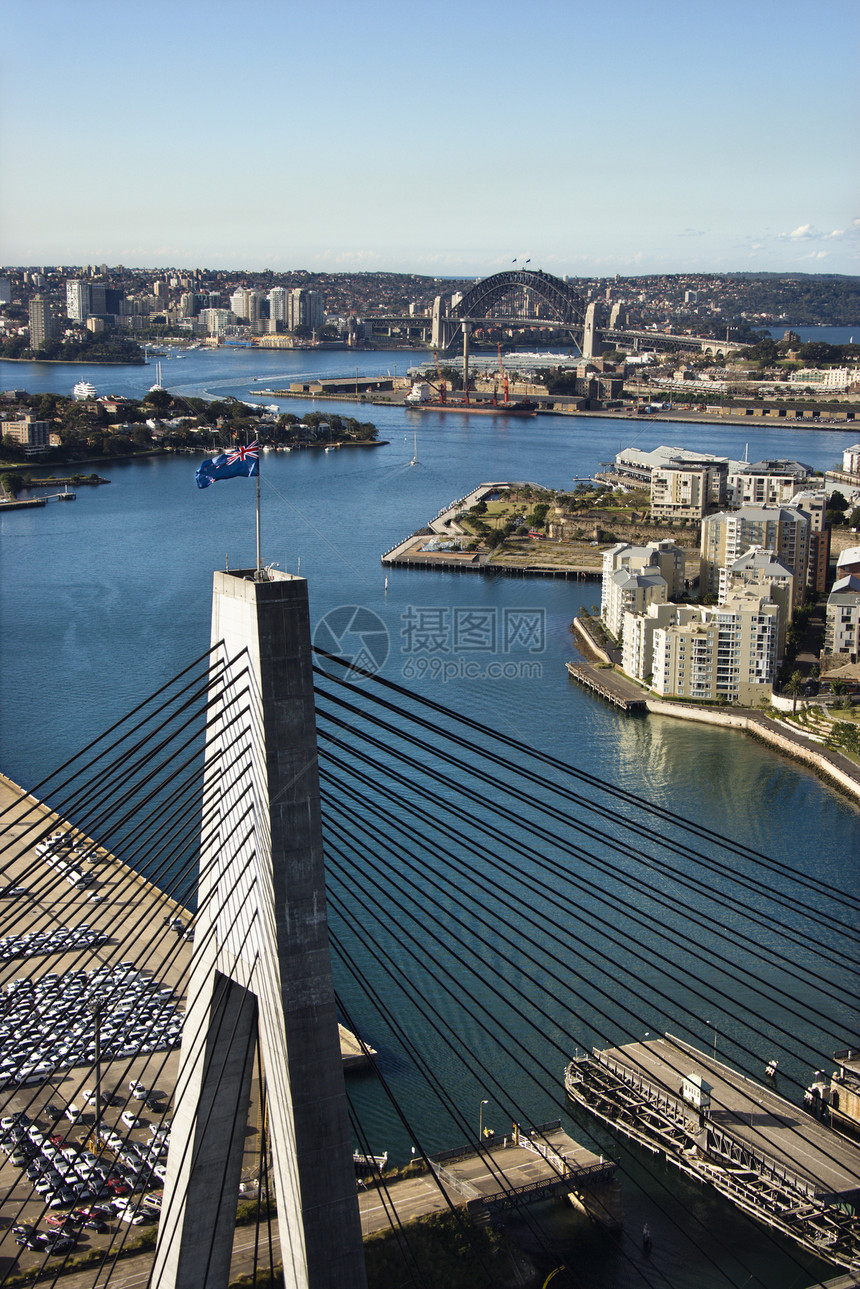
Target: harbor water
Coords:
[(105, 600)]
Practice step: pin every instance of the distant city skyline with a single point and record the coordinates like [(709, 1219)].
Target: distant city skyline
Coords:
[(678, 137)]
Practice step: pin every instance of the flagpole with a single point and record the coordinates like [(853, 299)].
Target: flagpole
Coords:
[(259, 463)]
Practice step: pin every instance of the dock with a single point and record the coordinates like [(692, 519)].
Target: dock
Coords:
[(610, 686), (767, 1156), (501, 1175)]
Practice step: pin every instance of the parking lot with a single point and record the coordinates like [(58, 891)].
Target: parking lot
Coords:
[(89, 957)]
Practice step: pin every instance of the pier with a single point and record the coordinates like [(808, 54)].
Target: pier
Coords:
[(768, 1157), (610, 686)]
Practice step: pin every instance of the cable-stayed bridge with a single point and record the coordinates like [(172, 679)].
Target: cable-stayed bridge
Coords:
[(490, 911)]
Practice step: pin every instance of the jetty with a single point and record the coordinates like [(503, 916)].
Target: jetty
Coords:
[(610, 686), (768, 1157)]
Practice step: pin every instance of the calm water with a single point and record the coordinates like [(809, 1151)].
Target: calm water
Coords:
[(105, 599)]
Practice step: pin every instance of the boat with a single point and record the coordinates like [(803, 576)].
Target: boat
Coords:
[(523, 407), (414, 460), (83, 391)]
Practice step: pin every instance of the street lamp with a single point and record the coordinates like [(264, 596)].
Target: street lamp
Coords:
[(95, 1007), (481, 1120), (714, 1028)]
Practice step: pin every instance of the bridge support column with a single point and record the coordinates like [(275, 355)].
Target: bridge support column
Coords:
[(467, 331), (261, 971)]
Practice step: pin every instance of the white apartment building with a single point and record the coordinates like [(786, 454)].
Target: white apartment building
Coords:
[(726, 536), (216, 320), (851, 459), (78, 301), (842, 628), (246, 304), (626, 592), (767, 483), (761, 571), (278, 307), (836, 379), (636, 576), (637, 655), (687, 490), (727, 653)]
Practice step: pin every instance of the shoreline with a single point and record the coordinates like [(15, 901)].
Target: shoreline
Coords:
[(837, 770)]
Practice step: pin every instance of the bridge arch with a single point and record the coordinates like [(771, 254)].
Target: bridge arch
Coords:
[(516, 296)]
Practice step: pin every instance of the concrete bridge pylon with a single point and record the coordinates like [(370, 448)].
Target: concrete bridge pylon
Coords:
[(261, 971)]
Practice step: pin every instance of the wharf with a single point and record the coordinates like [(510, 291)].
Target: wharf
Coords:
[(767, 1156), (500, 1176), (412, 552), (610, 686)]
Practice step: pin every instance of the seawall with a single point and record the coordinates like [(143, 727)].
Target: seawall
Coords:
[(828, 765)]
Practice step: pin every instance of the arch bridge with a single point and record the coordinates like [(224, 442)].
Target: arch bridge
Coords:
[(514, 298)]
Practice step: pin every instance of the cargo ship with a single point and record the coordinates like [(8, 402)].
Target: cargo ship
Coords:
[(419, 399)]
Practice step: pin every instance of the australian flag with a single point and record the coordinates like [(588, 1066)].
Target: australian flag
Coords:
[(243, 461)]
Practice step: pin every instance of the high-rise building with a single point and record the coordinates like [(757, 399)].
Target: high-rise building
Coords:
[(78, 300), (41, 322), (278, 304), (5, 291), (727, 653), (727, 535), (304, 309)]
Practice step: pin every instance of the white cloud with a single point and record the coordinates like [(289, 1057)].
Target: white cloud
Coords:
[(803, 233)]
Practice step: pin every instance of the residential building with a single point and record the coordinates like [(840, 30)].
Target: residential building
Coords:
[(278, 306), (842, 626), (78, 300), (836, 379), (761, 571), (726, 536), (813, 503), (305, 309), (767, 483), (637, 654), (688, 490), (727, 653), (848, 563), (851, 459), (214, 321), (665, 556), (41, 322), (636, 576), (626, 592), (34, 436)]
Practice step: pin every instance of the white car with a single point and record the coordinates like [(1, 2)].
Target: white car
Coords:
[(138, 1090), (130, 1119)]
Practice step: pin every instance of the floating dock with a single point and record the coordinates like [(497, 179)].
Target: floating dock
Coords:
[(765, 1155)]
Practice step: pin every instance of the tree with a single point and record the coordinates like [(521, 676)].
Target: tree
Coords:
[(794, 689), (159, 399)]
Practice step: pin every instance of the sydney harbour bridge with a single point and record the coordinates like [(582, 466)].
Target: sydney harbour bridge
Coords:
[(529, 300)]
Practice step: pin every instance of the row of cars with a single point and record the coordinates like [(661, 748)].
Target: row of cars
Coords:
[(49, 1025), (61, 939), (63, 1231), (62, 1172)]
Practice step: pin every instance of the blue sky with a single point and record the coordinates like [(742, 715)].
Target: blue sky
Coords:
[(672, 136)]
